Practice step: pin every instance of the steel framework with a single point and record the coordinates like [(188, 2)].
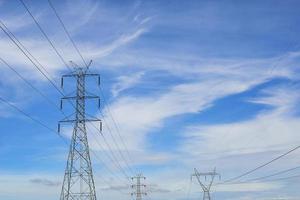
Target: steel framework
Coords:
[(138, 187), (78, 181), (205, 187)]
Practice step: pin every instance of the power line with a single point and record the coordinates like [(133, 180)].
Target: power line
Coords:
[(45, 35), (31, 58), (80, 54), (271, 180), (43, 95), (67, 32), (110, 148), (98, 158), (206, 186), (269, 176), (112, 160), (115, 142), (48, 100), (27, 115), (11, 37), (27, 82), (284, 178), (52, 83), (40, 123), (117, 130), (40, 64), (24, 48), (40, 93), (263, 165), (266, 164)]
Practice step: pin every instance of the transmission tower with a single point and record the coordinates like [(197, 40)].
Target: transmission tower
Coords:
[(206, 183), (78, 181), (138, 187)]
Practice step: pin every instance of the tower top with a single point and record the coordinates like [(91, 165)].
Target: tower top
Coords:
[(80, 70), (204, 185)]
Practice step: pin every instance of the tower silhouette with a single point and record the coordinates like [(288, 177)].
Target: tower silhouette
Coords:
[(138, 187), (209, 181), (78, 181)]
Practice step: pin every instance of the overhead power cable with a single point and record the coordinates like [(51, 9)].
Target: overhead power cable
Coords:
[(81, 56), (284, 178), (31, 58), (47, 99), (11, 37), (111, 158), (27, 115), (24, 51), (27, 82), (24, 48), (110, 148), (269, 176), (110, 113), (116, 144), (37, 67), (270, 180), (263, 165), (45, 35), (41, 124), (67, 32)]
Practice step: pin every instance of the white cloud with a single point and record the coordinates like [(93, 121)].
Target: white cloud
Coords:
[(283, 99), (17, 23), (150, 112), (247, 187), (136, 117), (126, 82), (206, 81), (268, 131), (122, 40), (92, 9), (185, 98)]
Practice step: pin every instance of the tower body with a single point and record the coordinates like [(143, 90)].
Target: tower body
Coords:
[(205, 186), (78, 181), (139, 187), (206, 195)]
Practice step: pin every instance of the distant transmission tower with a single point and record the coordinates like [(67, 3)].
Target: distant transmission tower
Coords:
[(78, 181), (206, 183), (138, 187)]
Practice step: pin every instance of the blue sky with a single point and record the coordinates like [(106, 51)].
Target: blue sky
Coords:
[(190, 84)]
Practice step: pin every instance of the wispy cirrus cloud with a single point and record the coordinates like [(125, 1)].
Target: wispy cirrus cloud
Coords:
[(246, 137), (125, 82), (214, 83), (122, 40), (204, 47)]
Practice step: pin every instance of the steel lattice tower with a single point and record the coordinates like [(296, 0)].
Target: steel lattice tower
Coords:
[(78, 181), (138, 187), (205, 187)]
